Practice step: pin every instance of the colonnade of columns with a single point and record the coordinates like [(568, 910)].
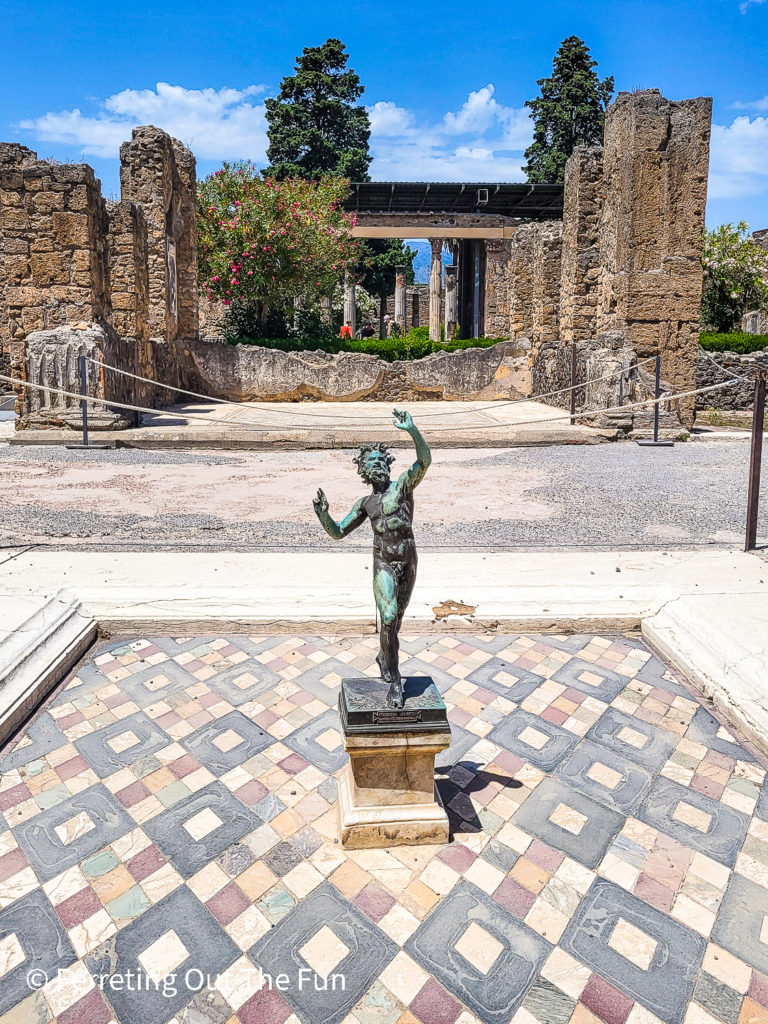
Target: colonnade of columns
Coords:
[(447, 287)]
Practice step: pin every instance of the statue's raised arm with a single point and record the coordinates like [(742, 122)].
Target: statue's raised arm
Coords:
[(415, 474), (348, 523)]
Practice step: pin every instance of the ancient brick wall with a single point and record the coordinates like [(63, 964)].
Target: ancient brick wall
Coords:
[(550, 368), (53, 265), (580, 276), (656, 157), (498, 284), (158, 173), (416, 306)]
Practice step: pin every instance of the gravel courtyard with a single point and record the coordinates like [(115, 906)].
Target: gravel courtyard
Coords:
[(617, 495)]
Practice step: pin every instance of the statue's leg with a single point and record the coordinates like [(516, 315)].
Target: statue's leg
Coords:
[(385, 592), (405, 589)]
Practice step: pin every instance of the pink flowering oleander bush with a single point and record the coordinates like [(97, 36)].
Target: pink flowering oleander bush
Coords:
[(266, 244), (735, 276)]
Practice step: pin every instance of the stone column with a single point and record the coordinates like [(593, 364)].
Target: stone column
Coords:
[(435, 288), (350, 311), (326, 311), (400, 297), (451, 302)]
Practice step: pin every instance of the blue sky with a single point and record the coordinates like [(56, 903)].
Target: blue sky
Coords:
[(445, 82)]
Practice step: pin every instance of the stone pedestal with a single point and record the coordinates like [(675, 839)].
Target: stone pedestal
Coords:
[(387, 792)]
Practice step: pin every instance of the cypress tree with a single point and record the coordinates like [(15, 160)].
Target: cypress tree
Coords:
[(569, 112)]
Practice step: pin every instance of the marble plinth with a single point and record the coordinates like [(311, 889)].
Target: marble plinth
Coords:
[(387, 792)]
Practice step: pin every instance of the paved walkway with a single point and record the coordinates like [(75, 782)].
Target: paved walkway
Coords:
[(337, 424), (618, 495), (171, 817)]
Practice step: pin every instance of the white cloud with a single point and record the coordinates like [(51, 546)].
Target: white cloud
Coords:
[(387, 119), (744, 7), (761, 104), (477, 115), (217, 124), (739, 158), (482, 140)]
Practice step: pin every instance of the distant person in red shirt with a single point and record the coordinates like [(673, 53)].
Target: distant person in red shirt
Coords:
[(346, 331)]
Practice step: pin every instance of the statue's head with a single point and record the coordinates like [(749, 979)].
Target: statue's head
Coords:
[(373, 462)]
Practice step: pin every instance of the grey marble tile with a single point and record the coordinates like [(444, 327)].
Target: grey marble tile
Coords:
[(739, 922), (652, 753), (597, 825), (103, 751), (664, 985), (493, 984), (43, 942), (103, 821), (304, 741), (368, 951), (622, 794), (704, 729), (610, 686), (491, 676), (186, 852), (210, 744), (44, 737), (234, 685), (721, 837), (194, 932), (559, 742)]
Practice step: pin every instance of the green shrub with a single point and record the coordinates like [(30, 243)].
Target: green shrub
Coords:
[(414, 345), (736, 341)]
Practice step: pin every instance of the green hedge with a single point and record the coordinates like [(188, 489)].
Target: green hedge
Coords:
[(734, 342), (413, 345)]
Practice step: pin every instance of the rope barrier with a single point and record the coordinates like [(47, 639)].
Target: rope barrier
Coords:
[(351, 419), (237, 424), (747, 378)]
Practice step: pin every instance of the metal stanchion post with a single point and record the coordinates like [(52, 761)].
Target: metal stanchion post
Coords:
[(83, 400), (755, 460), (657, 394), (83, 367), (573, 382)]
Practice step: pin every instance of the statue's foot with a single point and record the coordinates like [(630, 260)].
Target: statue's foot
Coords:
[(396, 694), (383, 670)]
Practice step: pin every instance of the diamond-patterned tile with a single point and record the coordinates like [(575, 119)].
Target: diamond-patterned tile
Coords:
[(176, 805), (480, 952), (323, 936)]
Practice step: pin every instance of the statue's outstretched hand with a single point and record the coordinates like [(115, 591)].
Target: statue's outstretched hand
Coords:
[(320, 503), (402, 419)]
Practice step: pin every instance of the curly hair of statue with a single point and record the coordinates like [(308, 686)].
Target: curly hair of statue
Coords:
[(367, 449)]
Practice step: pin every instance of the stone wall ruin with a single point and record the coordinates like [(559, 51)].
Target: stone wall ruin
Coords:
[(626, 258), (618, 277), (71, 261)]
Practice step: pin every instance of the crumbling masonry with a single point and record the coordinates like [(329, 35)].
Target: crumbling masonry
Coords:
[(616, 278), (621, 274), (83, 275)]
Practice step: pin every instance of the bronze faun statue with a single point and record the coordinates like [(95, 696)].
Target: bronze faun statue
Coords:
[(389, 507)]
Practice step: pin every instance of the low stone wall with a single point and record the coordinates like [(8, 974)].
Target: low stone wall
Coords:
[(249, 372), (714, 367), (52, 362)]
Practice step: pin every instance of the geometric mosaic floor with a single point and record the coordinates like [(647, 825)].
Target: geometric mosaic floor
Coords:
[(168, 842)]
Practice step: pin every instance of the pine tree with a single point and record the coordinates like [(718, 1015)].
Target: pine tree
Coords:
[(316, 125), (569, 112)]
